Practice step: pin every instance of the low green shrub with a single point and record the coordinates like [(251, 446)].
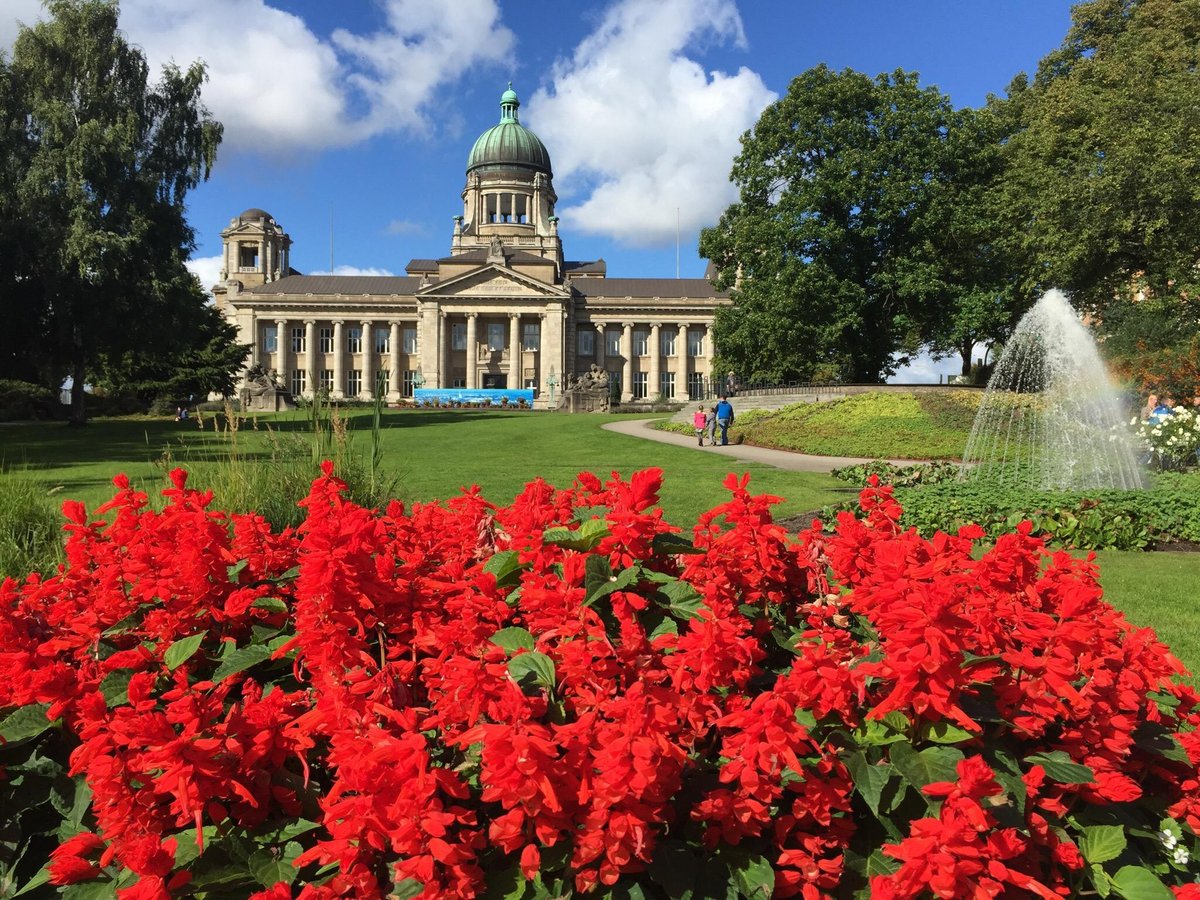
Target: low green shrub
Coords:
[(20, 400), (1094, 520), (31, 536), (900, 476)]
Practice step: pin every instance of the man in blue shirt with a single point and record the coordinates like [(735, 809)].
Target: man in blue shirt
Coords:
[(724, 419)]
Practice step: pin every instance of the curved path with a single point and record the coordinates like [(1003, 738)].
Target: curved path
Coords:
[(781, 459)]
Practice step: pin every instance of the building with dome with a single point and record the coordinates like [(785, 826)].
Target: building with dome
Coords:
[(505, 309)]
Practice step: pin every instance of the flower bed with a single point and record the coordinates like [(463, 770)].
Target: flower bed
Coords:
[(567, 695)]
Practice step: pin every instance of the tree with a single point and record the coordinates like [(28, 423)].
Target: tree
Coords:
[(827, 251), (1104, 174), (101, 161)]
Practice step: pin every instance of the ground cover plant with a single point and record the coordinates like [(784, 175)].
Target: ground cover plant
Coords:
[(566, 694)]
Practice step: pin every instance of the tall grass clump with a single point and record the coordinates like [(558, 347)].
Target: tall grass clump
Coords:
[(277, 473), (31, 536)]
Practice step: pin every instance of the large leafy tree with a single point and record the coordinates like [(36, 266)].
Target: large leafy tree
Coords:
[(828, 250), (100, 160), (1104, 174)]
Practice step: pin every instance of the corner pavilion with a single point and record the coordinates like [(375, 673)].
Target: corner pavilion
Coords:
[(504, 309)]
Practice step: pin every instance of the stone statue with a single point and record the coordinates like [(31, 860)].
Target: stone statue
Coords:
[(263, 393), (588, 392)]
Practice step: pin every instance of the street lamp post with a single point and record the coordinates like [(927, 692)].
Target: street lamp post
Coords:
[(552, 383), (418, 382)]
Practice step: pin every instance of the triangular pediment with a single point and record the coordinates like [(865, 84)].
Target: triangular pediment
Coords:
[(254, 229), (493, 281)]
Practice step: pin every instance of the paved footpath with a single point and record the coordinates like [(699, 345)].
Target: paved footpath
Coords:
[(781, 459)]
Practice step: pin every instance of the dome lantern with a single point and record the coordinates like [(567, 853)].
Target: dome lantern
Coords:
[(509, 144)]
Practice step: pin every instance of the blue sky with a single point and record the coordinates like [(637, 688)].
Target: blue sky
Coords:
[(354, 118)]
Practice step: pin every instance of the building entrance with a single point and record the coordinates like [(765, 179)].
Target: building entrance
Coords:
[(494, 381)]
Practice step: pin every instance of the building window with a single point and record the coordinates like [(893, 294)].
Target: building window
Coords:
[(383, 341), (531, 336), (666, 385), (383, 381), (270, 339), (695, 343), (695, 385), (326, 343), (458, 382), (614, 384), (458, 336), (640, 380), (299, 381), (531, 385), (641, 343), (354, 382), (584, 343), (407, 390), (612, 343), (354, 339), (410, 340), (299, 341), (327, 380), (495, 336), (248, 257), (666, 342)]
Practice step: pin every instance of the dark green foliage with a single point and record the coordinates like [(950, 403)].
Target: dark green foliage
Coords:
[(21, 400), (898, 476), (1096, 520), (31, 536)]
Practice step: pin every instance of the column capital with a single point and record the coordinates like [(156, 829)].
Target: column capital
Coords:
[(338, 321), (472, 314), (310, 321), (654, 326), (628, 325), (514, 315), (281, 322)]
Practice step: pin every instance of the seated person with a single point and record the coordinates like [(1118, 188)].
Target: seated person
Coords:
[(1163, 411)]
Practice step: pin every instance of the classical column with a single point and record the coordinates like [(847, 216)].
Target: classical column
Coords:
[(681, 370), (514, 351), (439, 377), (600, 348), (339, 362), (310, 355), (395, 379), (283, 340), (627, 367), (472, 351), (255, 340), (655, 386), (367, 347)]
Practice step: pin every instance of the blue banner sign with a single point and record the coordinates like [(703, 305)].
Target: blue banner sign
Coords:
[(474, 396)]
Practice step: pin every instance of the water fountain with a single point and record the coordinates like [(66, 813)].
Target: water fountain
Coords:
[(1050, 417)]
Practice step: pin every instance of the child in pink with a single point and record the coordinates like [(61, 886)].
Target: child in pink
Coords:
[(699, 422)]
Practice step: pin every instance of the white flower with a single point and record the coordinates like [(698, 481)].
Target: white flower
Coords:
[(1181, 856), (1168, 839)]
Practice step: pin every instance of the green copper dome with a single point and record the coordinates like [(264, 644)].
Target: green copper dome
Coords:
[(509, 143)]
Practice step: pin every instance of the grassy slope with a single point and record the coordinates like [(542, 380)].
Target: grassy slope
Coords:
[(892, 425)]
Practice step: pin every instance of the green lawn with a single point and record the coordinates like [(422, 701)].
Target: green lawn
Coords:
[(433, 454)]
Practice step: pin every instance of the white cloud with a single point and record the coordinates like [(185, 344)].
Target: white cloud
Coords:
[(207, 269), (352, 270), (278, 87), (643, 127)]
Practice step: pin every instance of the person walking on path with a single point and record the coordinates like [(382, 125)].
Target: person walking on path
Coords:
[(710, 425), (724, 419), (700, 423)]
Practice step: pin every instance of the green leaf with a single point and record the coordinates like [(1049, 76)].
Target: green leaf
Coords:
[(945, 733), (35, 882), (505, 566), (1136, 883), (752, 874), (239, 660), (25, 722), (233, 572), (683, 600), (505, 884), (513, 639), (669, 544), (1100, 880), (930, 765), (589, 534), (1101, 843), (269, 865), (869, 780), (406, 889), (182, 650), (1059, 767), (90, 890), (878, 864), (532, 669), (115, 687), (273, 604)]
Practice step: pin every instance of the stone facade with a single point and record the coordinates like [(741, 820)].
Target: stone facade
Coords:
[(503, 310)]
